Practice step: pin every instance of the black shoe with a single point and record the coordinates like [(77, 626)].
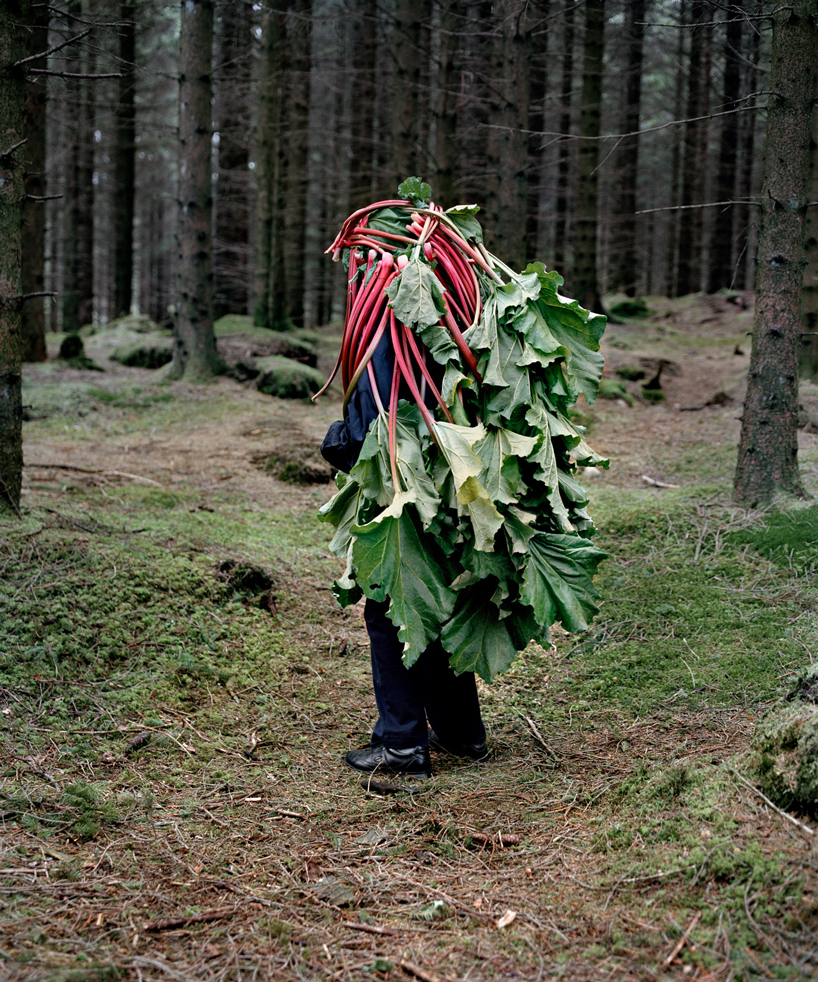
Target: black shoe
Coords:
[(474, 751), (413, 762)]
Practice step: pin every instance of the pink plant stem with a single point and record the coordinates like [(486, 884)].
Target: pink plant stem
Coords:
[(375, 393), (410, 343), (339, 238), (465, 350), (370, 351), (366, 301), (409, 376), (384, 235), (393, 423)]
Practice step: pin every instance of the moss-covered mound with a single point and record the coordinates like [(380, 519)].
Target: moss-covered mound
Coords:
[(132, 324), (783, 755), (260, 343), (150, 351), (286, 378)]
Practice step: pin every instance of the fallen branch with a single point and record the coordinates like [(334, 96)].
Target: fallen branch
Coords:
[(775, 808), (369, 928), (502, 839), (657, 484), (48, 71), (539, 737), (420, 973), (684, 940), (52, 51), (172, 923), (92, 470)]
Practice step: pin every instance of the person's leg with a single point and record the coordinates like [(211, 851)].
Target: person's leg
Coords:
[(398, 690), (451, 702)]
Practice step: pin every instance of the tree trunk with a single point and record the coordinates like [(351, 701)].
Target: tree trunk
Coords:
[(675, 159), (809, 341), (78, 250), (768, 450), (233, 125), (584, 281), (13, 18), (688, 275), (299, 48), (538, 87), (268, 308), (744, 187), (446, 108), (125, 162), (33, 246), (564, 159), (364, 50), (721, 248), (628, 153), (507, 144), (404, 157), (195, 358)]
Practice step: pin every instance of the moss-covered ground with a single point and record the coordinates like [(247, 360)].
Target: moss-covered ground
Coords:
[(178, 688)]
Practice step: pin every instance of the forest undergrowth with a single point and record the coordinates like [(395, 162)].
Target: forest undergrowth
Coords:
[(178, 688)]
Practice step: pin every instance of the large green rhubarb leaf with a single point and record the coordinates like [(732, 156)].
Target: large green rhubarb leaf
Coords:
[(457, 446), (342, 511), (485, 518), (391, 561), (558, 581), (417, 296), (475, 637), (464, 217), (500, 452)]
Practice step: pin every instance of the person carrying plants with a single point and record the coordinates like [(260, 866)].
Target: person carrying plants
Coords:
[(458, 508)]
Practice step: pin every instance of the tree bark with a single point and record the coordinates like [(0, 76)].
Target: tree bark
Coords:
[(13, 18), (538, 88), (507, 144), (125, 161), (809, 341), (744, 187), (268, 308), (404, 157), (585, 281), (675, 160), (688, 272), (446, 107), (627, 165), (195, 358), (768, 449), (233, 125), (564, 158), (364, 24), (78, 249), (33, 245), (721, 248), (299, 49)]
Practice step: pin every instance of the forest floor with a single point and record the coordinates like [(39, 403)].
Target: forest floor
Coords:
[(178, 688)]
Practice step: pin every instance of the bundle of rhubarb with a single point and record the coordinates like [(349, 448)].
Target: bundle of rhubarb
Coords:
[(468, 516)]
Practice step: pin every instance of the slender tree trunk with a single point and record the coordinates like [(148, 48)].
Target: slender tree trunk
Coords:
[(688, 271), (507, 144), (299, 47), (768, 450), (125, 162), (33, 314), (404, 157), (744, 187), (809, 341), (538, 86), (233, 125), (721, 248), (627, 164), (269, 200), (78, 228), (446, 108), (194, 355), (364, 42), (13, 18), (675, 160), (585, 281), (564, 159)]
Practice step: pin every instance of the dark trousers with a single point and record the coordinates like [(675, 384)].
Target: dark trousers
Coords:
[(429, 690)]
